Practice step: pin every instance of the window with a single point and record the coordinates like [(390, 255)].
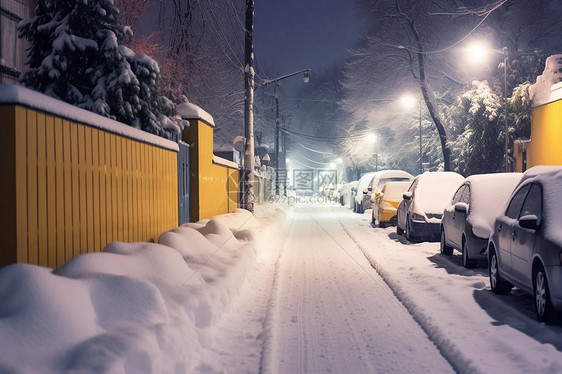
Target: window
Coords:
[(516, 203), (533, 202), (12, 48), (458, 195)]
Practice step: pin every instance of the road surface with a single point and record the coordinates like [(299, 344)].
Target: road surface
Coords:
[(314, 304)]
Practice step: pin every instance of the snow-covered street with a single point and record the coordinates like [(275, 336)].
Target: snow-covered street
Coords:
[(333, 294)]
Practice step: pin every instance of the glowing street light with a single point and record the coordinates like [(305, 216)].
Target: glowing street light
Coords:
[(409, 102), (478, 53)]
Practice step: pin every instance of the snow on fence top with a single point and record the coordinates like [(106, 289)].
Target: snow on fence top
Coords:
[(192, 111), (224, 162), (548, 87), (13, 94)]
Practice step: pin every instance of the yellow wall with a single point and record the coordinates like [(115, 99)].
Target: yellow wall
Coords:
[(69, 189), (546, 137), (214, 188)]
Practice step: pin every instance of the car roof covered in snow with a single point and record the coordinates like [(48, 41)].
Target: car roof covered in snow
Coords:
[(489, 194)]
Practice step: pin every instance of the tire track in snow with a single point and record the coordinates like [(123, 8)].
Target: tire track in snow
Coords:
[(446, 347)]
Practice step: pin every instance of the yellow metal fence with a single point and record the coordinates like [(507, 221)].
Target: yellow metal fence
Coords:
[(67, 188)]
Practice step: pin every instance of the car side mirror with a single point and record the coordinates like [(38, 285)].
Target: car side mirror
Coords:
[(530, 222), (407, 195), (461, 208), (370, 189)]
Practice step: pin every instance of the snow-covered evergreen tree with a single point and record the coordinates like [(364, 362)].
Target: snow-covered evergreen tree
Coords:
[(77, 55), (477, 127)]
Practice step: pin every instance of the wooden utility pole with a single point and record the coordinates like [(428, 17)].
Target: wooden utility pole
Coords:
[(247, 198)]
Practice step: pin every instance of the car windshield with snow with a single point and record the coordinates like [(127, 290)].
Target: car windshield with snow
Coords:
[(385, 203), (419, 214), (379, 180)]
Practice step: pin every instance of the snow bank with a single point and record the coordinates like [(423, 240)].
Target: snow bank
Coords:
[(12, 94), (132, 308), (548, 87)]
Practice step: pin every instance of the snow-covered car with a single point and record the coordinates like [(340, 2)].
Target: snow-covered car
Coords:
[(378, 181), (345, 193), (385, 203), (525, 248), (360, 189), (468, 218), (419, 214)]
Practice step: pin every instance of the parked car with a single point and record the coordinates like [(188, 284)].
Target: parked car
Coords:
[(419, 214), (362, 185), (346, 194), (378, 181), (468, 218), (525, 248), (385, 203)]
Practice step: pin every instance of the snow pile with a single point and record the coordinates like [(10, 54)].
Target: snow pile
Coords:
[(133, 308), (489, 195), (192, 111), (547, 89)]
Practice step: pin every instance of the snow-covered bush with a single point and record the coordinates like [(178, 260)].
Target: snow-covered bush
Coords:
[(77, 55)]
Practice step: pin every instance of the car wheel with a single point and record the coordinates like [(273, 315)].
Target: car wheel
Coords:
[(443, 247), (543, 306), (498, 285), (409, 235), (466, 261), (399, 231)]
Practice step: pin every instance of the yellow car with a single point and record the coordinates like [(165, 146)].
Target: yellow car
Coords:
[(385, 203)]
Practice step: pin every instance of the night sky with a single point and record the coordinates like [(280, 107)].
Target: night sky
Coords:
[(291, 35)]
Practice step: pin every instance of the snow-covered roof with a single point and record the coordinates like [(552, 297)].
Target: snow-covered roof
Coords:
[(548, 87), (13, 94), (192, 111)]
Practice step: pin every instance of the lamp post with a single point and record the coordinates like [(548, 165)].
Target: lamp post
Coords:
[(409, 102), (479, 52), (306, 79)]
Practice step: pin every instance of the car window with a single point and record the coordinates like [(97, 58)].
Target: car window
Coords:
[(413, 186), (382, 181), (516, 202), (458, 195), (465, 198), (533, 202)]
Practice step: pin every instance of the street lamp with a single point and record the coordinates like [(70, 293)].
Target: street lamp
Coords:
[(479, 52), (306, 79), (409, 102)]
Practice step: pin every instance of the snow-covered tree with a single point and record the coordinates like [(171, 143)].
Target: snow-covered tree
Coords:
[(477, 128), (77, 55)]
